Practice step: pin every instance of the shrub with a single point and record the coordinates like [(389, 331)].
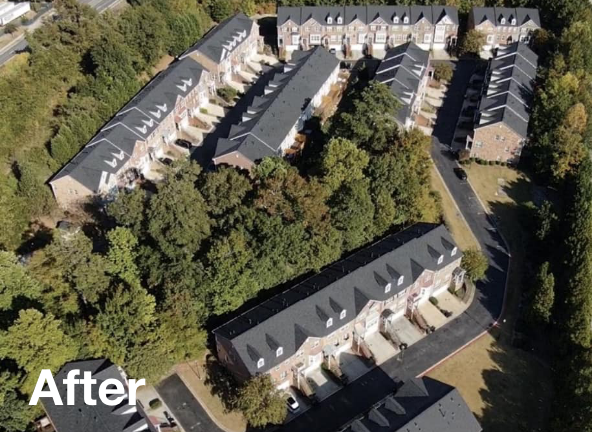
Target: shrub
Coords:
[(155, 403), (434, 301), (227, 93), (203, 110), (443, 72)]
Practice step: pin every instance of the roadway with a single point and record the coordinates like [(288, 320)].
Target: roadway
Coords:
[(483, 313)]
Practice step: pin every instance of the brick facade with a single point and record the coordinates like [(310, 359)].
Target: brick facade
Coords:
[(497, 143)]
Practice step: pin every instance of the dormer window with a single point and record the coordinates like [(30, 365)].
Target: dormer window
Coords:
[(279, 351), (513, 21), (406, 20), (502, 21), (329, 322), (387, 288), (454, 251), (342, 314), (440, 259), (260, 363), (396, 20), (329, 20), (339, 20), (400, 281)]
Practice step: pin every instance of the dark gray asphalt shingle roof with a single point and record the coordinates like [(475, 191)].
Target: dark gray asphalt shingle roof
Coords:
[(366, 14), (420, 405), (223, 38), (274, 114), (509, 92), (495, 15), (114, 144), (402, 69), (302, 310), (86, 418)]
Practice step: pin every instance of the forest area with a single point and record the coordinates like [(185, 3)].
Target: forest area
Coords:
[(140, 283)]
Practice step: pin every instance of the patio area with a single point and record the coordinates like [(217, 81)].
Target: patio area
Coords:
[(452, 303), (381, 348), (321, 383), (353, 365)]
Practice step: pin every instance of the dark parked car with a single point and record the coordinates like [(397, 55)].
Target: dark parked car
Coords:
[(184, 143), (460, 173), (333, 51)]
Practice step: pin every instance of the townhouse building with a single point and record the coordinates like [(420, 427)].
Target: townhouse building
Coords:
[(353, 31), (420, 404), (501, 119), (139, 133), (81, 417), (226, 48), (405, 70), (269, 126), (504, 26), (317, 319)]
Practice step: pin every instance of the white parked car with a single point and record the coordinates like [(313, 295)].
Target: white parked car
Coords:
[(292, 404)]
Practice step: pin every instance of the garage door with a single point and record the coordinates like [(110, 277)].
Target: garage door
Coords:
[(372, 324)]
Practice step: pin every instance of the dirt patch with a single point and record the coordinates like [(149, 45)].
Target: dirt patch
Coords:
[(162, 64)]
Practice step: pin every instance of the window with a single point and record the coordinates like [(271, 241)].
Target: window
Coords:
[(400, 281), (284, 375), (260, 363), (507, 149), (440, 259), (329, 20), (312, 360), (339, 20), (315, 39), (315, 344), (513, 21), (300, 353), (294, 29), (490, 39), (295, 39), (427, 38), (387, 288), (396, 20), (478, 144), (406, 20), (342, 314), (380, 38), (329, 322), (277, 368), (279, 351), (454, 251), (280, 42), (373, 28), (502, 21), (352, 28)]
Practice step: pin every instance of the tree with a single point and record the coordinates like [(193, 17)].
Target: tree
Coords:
[(177, 214), (10, 28), (32, 188), (475, 263), (16, 414), (443, 72), (36, 341), (543, 296), (370, 121), (261, 403), (129, 210), (221, 9), (342, 160), (352, 212), (472, 43), (15, 281), (122, 254), (224, 191)]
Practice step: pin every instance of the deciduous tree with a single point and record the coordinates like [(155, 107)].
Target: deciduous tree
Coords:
[(261, 402)]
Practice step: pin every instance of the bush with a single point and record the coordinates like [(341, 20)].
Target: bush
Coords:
[(227, 93), (443, 72), (155, 403), (475, 264), (434, 301), (203, 110)]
